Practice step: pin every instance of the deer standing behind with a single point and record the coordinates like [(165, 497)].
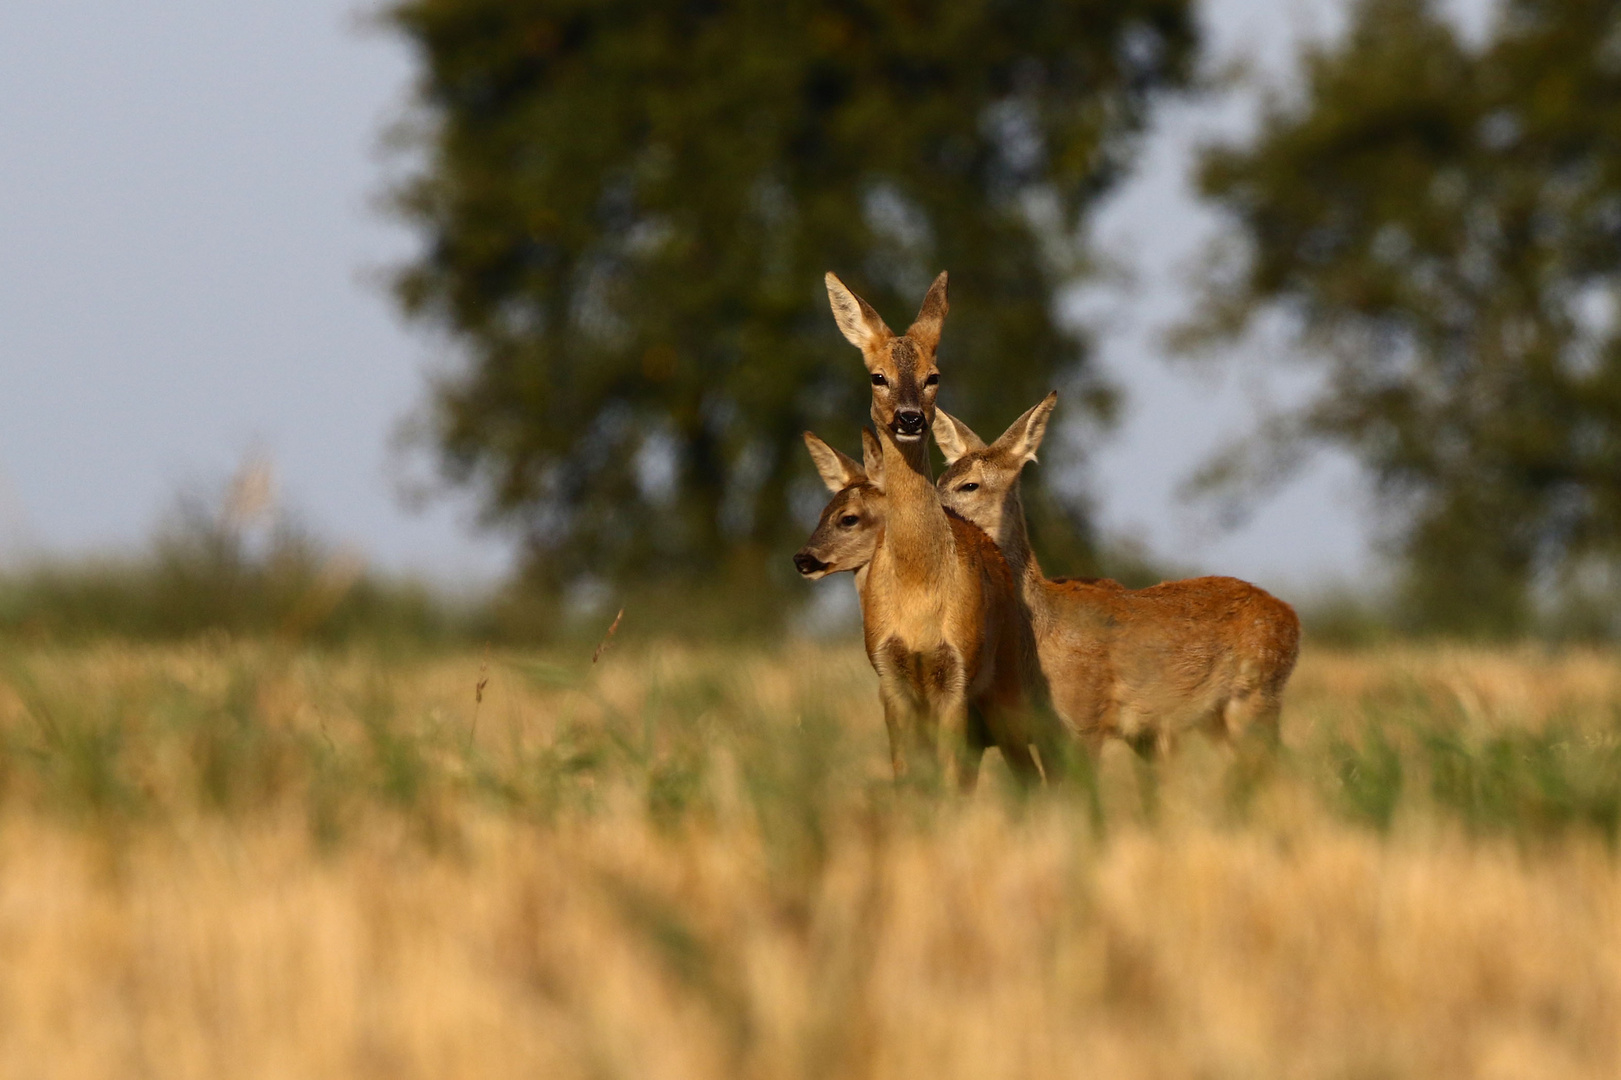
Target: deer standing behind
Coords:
[(1143, 664), (942, 619)]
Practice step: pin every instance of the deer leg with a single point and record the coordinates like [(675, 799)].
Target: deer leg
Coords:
[(969, 759), (1022, 764), (903, 708), (1066, 754), (945, 685), (911, 735), (1252, 716), (1146, 742), (979, 739), (958, 759), (894, 724)]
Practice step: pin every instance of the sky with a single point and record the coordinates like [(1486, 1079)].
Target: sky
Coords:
[(191, 256)]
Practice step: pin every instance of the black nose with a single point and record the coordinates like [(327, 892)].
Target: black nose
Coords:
[(909, 421), (808, 563)]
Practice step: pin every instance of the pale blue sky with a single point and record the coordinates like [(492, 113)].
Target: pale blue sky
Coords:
[(188, 256)]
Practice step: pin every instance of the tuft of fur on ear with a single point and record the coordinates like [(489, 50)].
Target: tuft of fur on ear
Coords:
[(1023, 438), (872, 453), (954, 437), (931, 317), (838, 471), (857, 319)]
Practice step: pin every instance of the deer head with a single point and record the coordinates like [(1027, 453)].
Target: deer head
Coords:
[(847, 533), (981, 482), (902, 367)]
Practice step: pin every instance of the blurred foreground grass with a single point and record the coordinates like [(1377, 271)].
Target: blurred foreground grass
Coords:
[(262, 860)]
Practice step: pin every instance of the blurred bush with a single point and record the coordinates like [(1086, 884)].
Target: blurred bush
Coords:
[(232, 565)]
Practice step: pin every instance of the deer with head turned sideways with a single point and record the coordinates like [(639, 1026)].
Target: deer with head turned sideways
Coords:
[(1143, 664), (942, 619), (846, 538), (847, 532)]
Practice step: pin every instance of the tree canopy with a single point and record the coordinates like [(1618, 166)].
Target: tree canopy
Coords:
[(1442, 224), (628, 208)]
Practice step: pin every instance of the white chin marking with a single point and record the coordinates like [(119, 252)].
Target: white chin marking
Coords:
[(907, 438)]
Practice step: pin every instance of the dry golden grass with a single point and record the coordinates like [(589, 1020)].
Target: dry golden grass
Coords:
[(249, 862)]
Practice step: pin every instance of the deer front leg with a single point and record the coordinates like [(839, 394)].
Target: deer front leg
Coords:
[(926, 710), (904, 712), (959, 758), (900, 721), (946, 685)]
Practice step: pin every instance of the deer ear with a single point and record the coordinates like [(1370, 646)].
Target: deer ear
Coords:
[(1023, 439), (857, 319), (931, 317), (954, 437), (837, 470), (872, 453)]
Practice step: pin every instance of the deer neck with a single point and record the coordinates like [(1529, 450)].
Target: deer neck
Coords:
[(1014, 541), (916, 531)]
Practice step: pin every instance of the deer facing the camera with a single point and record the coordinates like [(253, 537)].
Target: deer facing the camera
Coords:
[(942, 619), (1143, 664)]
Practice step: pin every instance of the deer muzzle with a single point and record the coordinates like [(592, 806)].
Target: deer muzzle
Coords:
[(909, 423), (809, 565)]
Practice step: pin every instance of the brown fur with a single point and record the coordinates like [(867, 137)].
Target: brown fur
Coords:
[(847, 532), (935, 589), (992, 671), (1143, 664)]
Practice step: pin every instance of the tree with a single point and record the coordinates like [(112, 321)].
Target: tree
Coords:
[(628, 207), (1443, 226)]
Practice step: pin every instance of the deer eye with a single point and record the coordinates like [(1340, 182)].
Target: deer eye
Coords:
[(879, 380), (969, 487), (932, 380), (849, 521)]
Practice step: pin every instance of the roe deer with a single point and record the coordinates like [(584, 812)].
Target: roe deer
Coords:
[(847, 532), (941, 614), (846, 537), (1144, 664)]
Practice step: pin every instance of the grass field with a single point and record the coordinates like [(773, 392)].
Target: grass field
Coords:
[(240, 860)]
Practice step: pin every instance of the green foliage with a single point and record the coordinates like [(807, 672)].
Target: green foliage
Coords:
[(1534, 781), (1529, 783), (1370, 777), (236, 732), (628, 209), (1443, 227)]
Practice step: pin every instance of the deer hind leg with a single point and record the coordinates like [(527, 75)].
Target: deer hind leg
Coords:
[(1067, 755), (993, 723), (1250, 724), (1251, 712), (1251, 716), (1021, 762), (1038, 730), (1149, 743), (1148, 732), (984, 733), (976, 740)]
